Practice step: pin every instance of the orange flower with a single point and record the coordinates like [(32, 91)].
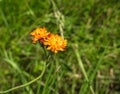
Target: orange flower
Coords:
[(39, 34), (55, 43)]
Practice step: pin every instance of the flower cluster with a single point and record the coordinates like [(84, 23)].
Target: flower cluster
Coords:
[(53, 42)]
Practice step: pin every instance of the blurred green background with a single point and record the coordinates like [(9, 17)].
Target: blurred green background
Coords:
[(92, 28)]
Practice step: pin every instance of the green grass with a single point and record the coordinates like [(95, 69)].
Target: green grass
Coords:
[(92, 28)]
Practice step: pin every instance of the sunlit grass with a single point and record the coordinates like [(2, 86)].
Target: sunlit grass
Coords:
[(92, 25)]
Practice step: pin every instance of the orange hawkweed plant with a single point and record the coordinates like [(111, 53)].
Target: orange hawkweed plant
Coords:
[(47, 40), (53, 42)]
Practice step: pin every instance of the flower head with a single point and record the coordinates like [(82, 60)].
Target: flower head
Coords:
[(39, 34), (55, 43)]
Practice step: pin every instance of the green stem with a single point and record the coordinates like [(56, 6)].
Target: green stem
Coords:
[(83, 69), (21, 86)]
